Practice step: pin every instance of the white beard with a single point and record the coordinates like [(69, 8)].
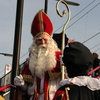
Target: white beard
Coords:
[(42, 59)]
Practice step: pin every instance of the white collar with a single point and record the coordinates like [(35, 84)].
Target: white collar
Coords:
[(92, 83)]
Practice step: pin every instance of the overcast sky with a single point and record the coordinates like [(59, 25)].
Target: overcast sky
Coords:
[(84, 25)]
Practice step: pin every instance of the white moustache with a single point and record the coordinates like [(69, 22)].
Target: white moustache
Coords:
[(43, 46)]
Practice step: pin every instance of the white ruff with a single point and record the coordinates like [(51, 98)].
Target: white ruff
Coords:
[(41, 59), (92, 83)]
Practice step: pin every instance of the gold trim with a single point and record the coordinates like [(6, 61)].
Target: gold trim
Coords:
[(42, 33), (41, 22), (62, 96), (28, 78), (53, 75), (67, 95), (1, 98), (48, 88)]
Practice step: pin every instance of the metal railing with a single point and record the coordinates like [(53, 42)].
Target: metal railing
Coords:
[(5, 81)]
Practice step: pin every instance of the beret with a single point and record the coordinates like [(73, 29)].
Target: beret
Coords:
[(77, 54)]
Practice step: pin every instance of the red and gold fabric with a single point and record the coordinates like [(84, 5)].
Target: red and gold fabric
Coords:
[(41, 24)]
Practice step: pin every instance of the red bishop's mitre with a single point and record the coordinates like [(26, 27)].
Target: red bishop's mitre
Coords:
[(41, 24)]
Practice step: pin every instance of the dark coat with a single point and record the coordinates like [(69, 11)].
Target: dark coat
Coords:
[(76, 93)]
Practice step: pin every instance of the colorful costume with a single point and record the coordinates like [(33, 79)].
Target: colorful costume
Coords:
[(79, 88), (51, 81), (41, 88)]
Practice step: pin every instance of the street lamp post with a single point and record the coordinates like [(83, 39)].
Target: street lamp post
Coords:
[(46, 6), (6, 54), (70, 2), (17, 43)]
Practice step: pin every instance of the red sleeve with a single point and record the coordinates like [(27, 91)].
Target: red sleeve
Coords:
[(57, 68), (59, 95), (58, 53), (26, 70)]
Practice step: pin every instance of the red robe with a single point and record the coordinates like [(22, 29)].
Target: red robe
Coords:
[(49, 75)]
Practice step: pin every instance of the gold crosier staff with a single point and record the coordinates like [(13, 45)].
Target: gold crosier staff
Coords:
[(63, 30)]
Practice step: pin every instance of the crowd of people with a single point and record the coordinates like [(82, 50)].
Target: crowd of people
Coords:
[(40, 78)]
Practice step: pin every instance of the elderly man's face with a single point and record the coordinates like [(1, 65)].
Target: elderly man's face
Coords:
[(42, 39)]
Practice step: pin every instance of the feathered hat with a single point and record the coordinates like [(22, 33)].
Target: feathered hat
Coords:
[(41, 24)]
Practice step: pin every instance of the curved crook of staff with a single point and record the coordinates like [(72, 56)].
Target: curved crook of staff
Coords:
[(64, 28)]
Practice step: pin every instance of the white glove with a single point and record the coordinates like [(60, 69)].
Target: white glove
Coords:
[(18, 81)]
